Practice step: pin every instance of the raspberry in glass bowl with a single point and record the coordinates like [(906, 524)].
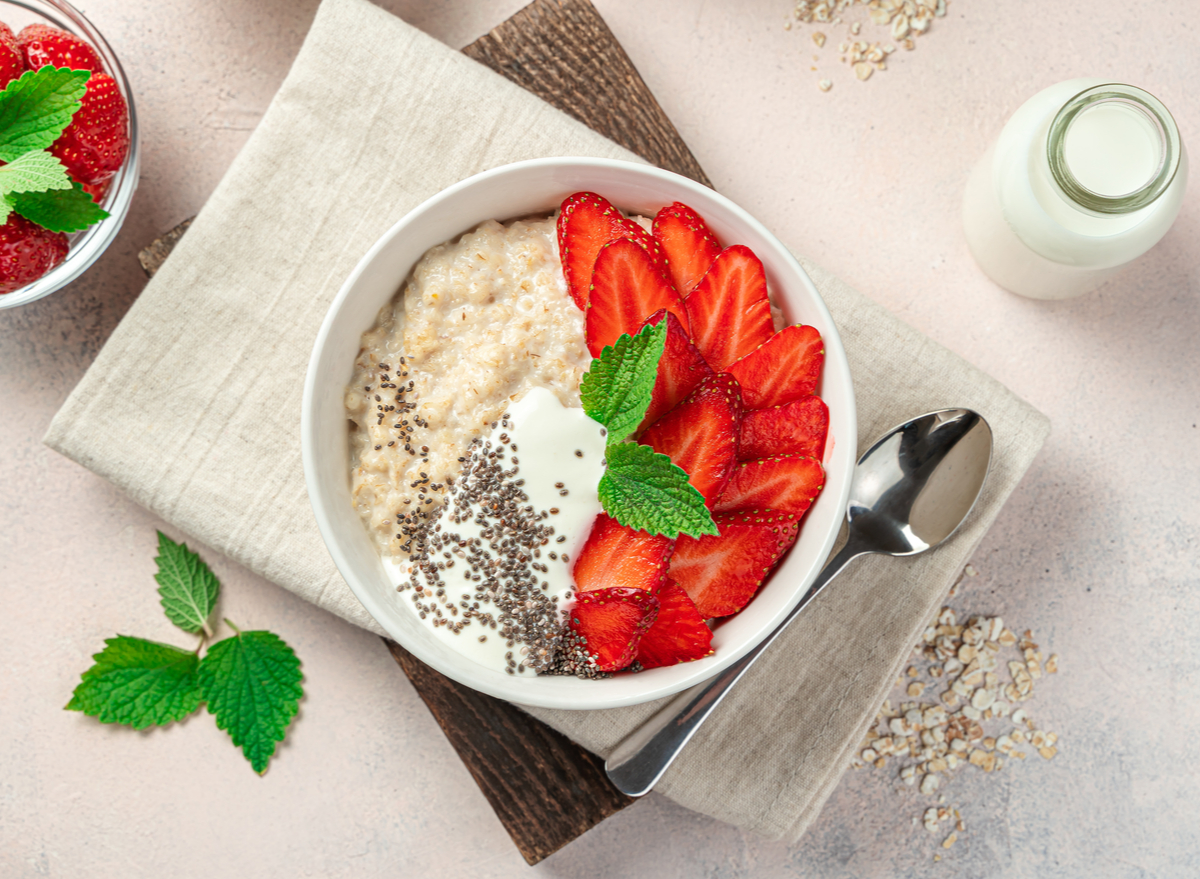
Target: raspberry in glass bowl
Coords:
[(102, 156)]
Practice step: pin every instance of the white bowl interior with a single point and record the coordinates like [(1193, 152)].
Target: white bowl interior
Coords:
[(535, 187)]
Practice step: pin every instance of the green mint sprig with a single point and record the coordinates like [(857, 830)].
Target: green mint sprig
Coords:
[(640, 488), (139, 683), (187, 587), (35, 109), (250, 681), (616, 390), (59, 210), (650, 493)]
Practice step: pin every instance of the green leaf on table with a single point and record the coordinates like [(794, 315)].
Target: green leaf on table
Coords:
[(33, 172), (251, 683), (643, 489), (59, 210), (187, 586), (616, 389), (35, 108), (139, 683)]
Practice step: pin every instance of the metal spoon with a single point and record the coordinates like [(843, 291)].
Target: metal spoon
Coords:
[(910, 491)]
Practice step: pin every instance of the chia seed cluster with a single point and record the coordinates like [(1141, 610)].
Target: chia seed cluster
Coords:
[(504, 596), (391, 405)]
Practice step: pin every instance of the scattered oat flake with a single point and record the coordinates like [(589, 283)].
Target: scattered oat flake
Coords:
[(976, 721), (950, 840), (903, 20)]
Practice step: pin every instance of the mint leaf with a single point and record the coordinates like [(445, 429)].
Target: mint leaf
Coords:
[(36, 108), (252, 685), (33, 172), (59, 210), (616, 389), (187, 587), (138, 683), (5, 208), (642, 489)]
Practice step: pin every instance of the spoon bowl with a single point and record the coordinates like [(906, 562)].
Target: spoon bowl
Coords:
[(910, 491), (913, 488)]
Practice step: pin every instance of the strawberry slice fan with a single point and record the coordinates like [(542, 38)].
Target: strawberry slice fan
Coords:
[(734, 404)]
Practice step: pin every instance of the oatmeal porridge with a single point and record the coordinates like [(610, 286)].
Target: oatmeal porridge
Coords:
[(481, 321)]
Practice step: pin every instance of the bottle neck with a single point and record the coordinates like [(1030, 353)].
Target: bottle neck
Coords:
[(1112, 149)]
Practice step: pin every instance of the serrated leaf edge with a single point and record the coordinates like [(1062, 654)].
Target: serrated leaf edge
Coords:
[(682, 510), (194, 567), (92, 674), (290, 705)]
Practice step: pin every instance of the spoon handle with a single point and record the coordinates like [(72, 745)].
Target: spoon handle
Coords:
[(639, 761)]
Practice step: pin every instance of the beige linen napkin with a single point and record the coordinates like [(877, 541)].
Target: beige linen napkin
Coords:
[(193, 406)]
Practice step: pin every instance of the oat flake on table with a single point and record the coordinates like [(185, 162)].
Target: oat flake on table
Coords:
[(904, 20), (979, 673)]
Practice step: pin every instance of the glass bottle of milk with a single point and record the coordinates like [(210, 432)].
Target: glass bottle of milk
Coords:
[(1084, 178)]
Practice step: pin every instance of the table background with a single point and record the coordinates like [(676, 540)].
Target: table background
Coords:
[(1096, 551)]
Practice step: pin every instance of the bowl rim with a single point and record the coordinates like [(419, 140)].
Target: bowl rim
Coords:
[(88, 245), (835, 359)]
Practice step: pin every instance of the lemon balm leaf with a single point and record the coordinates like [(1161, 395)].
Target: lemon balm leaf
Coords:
[(59, 210), (138, 683), (187, 586), (37, 171), (35, 108), (251, 683), (617, 388), (643, 489)]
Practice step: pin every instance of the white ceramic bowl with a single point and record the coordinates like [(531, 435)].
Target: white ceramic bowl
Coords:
[(518, 190)]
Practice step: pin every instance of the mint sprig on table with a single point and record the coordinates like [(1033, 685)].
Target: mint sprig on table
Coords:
[(250, 680), (640, 488), (34, 111)]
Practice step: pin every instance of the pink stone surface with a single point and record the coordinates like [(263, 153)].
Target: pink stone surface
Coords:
[(1095, 552)]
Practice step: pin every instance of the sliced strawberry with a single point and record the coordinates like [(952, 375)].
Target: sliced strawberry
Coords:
[(795, 428), (729, 309), (12, 61), (721, 573), (627, 287), (680, 368), (787, 484), (613, 621), (785, 368), (700, 434), (688, 245), (615, 555), (678, 635), (587, 222)]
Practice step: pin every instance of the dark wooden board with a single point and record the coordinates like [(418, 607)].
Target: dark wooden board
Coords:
[(563, 52), (545, 789)]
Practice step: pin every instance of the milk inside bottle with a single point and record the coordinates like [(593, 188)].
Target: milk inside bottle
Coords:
[(1085, 177)]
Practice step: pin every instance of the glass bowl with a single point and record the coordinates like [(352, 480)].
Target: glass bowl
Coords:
[(86, 246)]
